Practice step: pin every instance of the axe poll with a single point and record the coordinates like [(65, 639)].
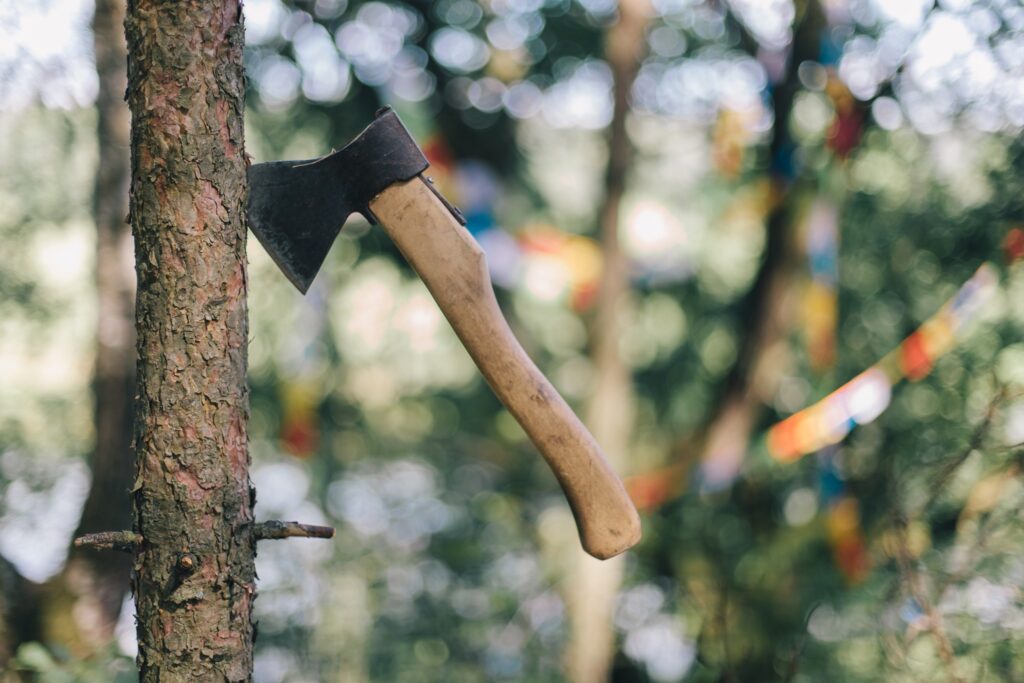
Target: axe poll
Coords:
[(297, 208)]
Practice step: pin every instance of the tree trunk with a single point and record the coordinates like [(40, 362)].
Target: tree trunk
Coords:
[(609, 411), (763, 310), (194, 580), (83, 603), (79, 607), (19, 616)]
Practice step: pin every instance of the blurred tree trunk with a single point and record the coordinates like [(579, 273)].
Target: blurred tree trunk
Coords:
[(79, 608), (19, 616), (593, 584), (82, 604), (763, 311), (194, 579)]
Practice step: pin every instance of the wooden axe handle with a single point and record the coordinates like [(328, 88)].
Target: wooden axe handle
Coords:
[(452, 265)]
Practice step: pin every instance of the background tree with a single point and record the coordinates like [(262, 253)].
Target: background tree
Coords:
[(591, 586), (80, 606), (85, 600)]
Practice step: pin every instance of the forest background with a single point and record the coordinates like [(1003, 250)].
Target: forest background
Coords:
[(702, 218)]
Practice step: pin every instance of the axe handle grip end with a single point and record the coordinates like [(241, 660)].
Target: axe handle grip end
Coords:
[(452, 266)]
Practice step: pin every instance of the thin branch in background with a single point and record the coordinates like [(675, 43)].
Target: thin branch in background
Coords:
[(910, 577), (977, 438), (793, 667), (894, 649), (984, 533), (723, 625), (913, 583)]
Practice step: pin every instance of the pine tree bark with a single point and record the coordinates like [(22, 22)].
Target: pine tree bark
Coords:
[(194, 579)]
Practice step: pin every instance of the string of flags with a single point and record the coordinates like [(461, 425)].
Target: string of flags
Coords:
[(867, 395), (551, 264), (842, 519), (821, 296), (841, 510), (820, 427), (303, 362)]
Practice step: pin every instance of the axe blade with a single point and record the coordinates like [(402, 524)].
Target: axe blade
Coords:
[(290, 219), (297, 208)]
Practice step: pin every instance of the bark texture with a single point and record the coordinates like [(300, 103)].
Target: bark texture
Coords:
[(609, 412), (194, 578)]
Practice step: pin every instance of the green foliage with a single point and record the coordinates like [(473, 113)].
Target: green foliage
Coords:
[(40, 666)]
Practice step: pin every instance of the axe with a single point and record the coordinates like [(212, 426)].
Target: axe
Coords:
[(297, 208)]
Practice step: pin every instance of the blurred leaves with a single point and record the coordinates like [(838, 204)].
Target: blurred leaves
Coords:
[(35, 660)]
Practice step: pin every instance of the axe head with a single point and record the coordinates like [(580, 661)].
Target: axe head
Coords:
[(297, 208)]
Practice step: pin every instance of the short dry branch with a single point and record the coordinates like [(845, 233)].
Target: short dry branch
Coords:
[(122, 541), (274, 529)]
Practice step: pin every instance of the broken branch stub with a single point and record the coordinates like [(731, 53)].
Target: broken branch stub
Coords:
[(275, 529)]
